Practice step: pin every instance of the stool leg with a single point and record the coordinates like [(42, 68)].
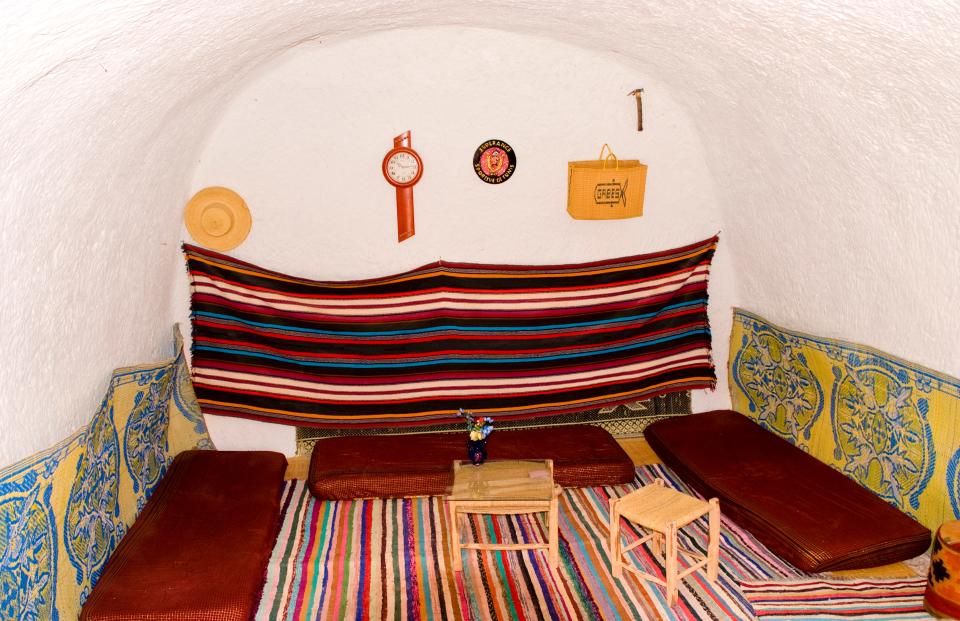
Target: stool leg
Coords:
[(554, 528), (713, 545), (455, 537), (615, 539), (671, 564), (656, 544)]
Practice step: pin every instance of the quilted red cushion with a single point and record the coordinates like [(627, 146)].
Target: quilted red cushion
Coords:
[(199, 549), (422, 464), (802, 509)]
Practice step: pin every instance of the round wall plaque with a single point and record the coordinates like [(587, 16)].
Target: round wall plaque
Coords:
[(494, 161)]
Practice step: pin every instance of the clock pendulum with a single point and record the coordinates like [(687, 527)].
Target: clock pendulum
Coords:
[(402, 168)]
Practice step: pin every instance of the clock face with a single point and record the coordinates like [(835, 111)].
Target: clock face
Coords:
[(402, 168)]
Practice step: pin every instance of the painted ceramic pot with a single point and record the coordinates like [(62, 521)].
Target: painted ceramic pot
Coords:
[(477, 451), (942, 597)]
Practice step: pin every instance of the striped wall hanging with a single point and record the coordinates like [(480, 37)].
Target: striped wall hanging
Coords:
[(408, 350)]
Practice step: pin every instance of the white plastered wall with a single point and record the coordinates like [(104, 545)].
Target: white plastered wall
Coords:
[(303, 143), (830, 134)]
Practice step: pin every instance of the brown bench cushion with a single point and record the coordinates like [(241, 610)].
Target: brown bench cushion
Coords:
[(421, 464), (200, 547), (802, 509)]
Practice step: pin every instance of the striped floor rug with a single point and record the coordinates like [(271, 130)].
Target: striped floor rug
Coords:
[(899, 599), (390, 559)]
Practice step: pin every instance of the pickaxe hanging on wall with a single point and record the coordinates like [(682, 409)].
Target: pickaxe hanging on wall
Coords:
[(637, 93)]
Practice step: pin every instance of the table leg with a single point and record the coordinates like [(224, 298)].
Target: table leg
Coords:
[(554, 529), (454, 536)]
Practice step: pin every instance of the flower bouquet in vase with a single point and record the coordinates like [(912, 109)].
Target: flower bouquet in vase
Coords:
[(479, 427)]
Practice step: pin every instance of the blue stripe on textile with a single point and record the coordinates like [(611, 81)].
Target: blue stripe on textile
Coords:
[(454, 328), (409, 551), (592, 497), (322, 560), (538, 571), (422, 507), (601, 596), (510, 359)]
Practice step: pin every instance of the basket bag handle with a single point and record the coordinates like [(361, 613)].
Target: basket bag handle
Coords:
[(610, 156)]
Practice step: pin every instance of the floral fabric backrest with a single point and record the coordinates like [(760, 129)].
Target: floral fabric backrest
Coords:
[(888, 424), (64, 510)]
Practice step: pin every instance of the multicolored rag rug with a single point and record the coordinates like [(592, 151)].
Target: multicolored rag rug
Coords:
[(896, 599), (410, 349), (391, 559)]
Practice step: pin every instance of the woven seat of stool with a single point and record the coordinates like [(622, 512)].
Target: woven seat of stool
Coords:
[(655, 506), (663, 511)]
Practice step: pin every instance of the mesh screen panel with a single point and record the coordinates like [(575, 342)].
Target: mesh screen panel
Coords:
[(622, 421)]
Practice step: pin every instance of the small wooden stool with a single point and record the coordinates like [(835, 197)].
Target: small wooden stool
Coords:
[(663, 510)]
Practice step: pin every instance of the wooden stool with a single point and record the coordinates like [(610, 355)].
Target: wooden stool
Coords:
[(663, 510)]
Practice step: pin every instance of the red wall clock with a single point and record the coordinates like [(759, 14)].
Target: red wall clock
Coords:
[(402, 168)]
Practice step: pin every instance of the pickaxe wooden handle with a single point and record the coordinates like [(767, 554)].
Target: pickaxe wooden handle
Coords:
[(637, 93)]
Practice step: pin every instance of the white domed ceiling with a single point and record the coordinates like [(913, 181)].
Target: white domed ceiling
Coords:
[(828, 137)]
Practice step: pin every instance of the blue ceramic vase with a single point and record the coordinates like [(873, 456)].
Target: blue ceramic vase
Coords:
[(477, 451)]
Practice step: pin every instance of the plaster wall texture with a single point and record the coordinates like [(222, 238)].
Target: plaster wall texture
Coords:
[(304, 140), (105, 104), (829, 131)]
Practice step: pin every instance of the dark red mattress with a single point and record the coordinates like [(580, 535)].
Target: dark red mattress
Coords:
[(422, 464), (199, 549), (802, 509)]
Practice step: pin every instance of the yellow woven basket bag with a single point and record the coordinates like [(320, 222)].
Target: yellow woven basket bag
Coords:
[(606, 188)]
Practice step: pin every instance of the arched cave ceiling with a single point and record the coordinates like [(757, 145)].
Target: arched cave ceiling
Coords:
[(831, 133)]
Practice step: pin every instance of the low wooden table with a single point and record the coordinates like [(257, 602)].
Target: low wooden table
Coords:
[(504, 487)]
